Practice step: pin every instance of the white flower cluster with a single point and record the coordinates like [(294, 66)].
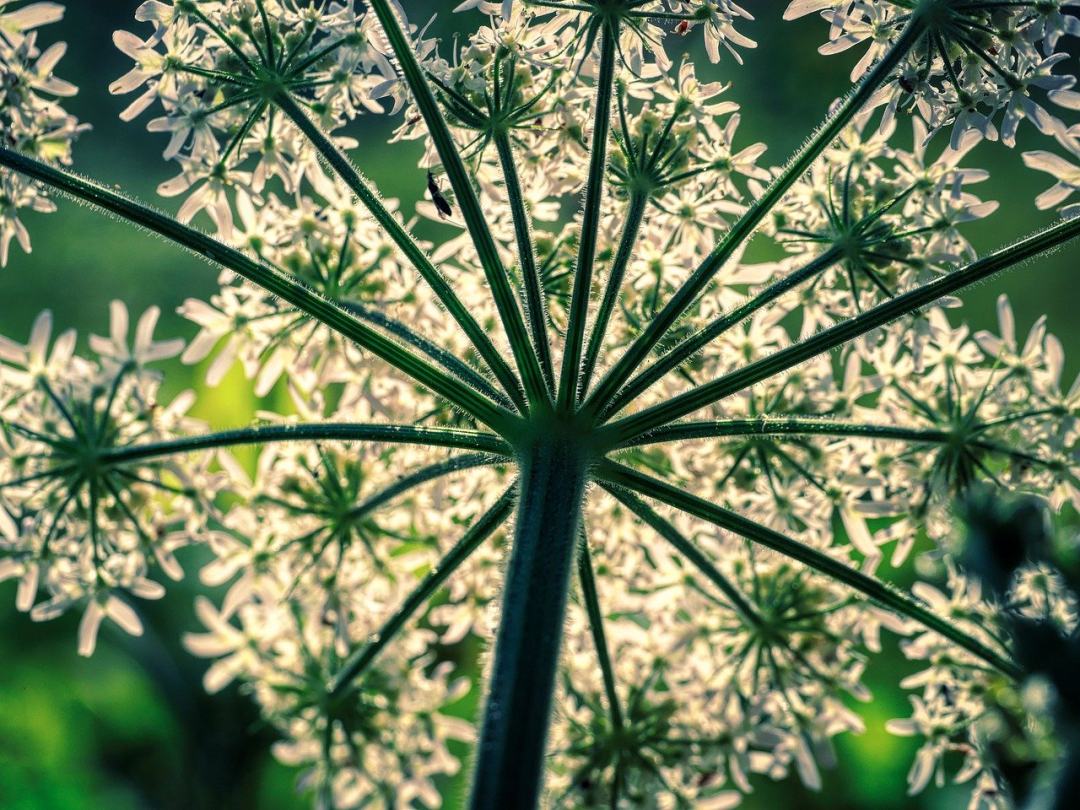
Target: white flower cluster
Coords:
[(888, 218), (962, 711), (31, 119), (714, 691), (314, 568), (216, 125), (981, 69), (758, 688), (717, 677), (336, 249), (86, 533)]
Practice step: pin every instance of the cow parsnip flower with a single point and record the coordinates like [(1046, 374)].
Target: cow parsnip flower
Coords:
[(586, 292), (973, 66), (83, 526), (31, 118)]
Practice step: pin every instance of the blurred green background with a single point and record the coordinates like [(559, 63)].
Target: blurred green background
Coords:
[(131, 727)]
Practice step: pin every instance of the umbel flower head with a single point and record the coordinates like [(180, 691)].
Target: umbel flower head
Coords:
[(578, 425)]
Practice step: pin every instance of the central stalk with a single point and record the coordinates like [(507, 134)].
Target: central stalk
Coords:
[(510, 758)]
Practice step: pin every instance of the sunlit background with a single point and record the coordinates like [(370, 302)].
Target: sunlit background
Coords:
[(132, 727)]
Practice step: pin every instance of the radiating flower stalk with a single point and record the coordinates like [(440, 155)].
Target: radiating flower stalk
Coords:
[(579, 426)]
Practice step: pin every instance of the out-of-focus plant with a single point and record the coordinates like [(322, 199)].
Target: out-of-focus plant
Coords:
[(1031, 727), (698, 598)]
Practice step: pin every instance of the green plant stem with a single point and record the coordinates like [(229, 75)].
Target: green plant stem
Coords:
[(530, 273), (344, 169), (685, 350), (561, 6), (447, 359), (270, 279), (570, 376), (466, 461), (879, 592), (744, 228), (271, 51), (666, 530), (465, 194), (634, 214), (786, 426), (330, 431), (591, 598), (511, 754), (361, 659), (639, 424), (224, 37)]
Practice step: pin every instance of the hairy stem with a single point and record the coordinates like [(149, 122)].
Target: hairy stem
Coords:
[(787, 425), (344, 169), (444, 357), (591, 598), (634, 214), (467, 461), (666, 530), (475, 221), (345, 431), (270, 279), (638, 425), (570, 376), (742, 230), (510, 757), (880, 592), (685, 350), (530, 273), (361, 659)]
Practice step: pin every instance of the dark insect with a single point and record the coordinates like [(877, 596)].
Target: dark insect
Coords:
[(907, 84), (441, 203), (683, 28)]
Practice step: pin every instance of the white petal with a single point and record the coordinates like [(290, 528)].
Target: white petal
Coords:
[(124, 615), (88, 628)]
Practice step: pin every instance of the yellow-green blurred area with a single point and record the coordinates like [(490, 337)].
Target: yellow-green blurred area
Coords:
[(132, 727)]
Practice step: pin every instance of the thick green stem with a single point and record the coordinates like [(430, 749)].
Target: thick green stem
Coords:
[(641, 423), (530, 273), (880, 592), (570, 376), (510, 758), (346, 432), (685, 350), (742, 230), (362, 658), (468, 202), (634, 214), (270, 279), (344, 169)]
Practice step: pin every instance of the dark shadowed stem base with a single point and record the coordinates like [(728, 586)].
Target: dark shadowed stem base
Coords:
[(510, 757)]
